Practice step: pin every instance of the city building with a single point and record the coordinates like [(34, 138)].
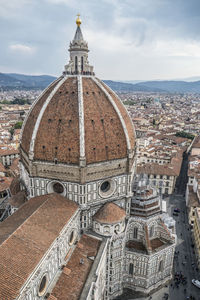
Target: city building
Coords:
[(84, 232), (197, 234)]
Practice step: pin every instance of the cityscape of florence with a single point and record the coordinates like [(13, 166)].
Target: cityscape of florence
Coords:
[(100, 150)]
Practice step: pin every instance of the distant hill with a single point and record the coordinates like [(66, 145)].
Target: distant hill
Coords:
[(173, 86), (13, 81), (8, 81), (129, 87), (34, 81), (20, 81)]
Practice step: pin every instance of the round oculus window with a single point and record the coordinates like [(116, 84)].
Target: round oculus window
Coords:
[(105, 186), (58, 188), (43, 285)]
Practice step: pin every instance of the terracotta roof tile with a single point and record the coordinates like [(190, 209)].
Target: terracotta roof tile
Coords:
[(156, 169), (18, 200), (5, 183), (58, 133), (110, 213), (124, 114), (29, 126), (26, 236), (70, 284), (15, 185), (2, 168), (104, 134)]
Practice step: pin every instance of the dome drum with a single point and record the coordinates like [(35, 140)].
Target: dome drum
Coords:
[(74, 173)]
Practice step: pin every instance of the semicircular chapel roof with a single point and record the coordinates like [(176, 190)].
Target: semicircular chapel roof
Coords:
[(110, 213)]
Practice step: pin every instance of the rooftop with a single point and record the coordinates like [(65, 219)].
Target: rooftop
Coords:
[(110, 213), (26, 236), (71, 282)]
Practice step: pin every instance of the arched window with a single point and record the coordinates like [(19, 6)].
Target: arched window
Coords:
[(151, 232), (131, 269), (106, 229), (160, 268), (81, 63), (117, 227), (76, 64), (43, 285), (135, 233)]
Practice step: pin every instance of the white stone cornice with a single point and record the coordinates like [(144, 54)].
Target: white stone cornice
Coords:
[(39, 118), (116, 109), (81, 118)]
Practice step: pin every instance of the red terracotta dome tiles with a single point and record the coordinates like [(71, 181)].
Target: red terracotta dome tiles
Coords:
[(58, 134), (110, 213), (124, 114), (104, 134), (32, 118)]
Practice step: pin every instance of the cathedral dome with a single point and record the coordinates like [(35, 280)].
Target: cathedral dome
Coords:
[(78, 118)]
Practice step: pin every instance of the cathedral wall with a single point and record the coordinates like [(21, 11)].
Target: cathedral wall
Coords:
[(83, 194), (52, 261), (89, 196), (115, 266), (145, 273), (98, 287)]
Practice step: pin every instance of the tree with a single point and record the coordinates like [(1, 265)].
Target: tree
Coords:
[(18, 125), (185, 135)]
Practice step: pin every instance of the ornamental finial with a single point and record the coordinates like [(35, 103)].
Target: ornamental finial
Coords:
[(78, 20)]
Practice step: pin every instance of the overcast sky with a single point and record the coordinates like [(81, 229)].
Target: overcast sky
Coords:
[(128, 39)]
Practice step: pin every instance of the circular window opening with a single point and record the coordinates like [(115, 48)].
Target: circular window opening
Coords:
[(105, 186), (58, 188), (43, 285)]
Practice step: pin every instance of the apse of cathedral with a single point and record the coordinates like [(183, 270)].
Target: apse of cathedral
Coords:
[(90, 228)]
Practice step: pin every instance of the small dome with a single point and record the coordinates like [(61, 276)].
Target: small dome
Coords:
[(110, 213)]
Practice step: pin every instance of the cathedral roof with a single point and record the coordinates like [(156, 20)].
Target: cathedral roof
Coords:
[(110, 213), (73, 277), (34, 224), (78, 117)]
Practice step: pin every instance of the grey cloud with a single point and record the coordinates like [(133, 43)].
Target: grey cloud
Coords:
[(49, 25)]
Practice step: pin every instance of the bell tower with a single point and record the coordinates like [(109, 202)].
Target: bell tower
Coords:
[(78, 48)]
